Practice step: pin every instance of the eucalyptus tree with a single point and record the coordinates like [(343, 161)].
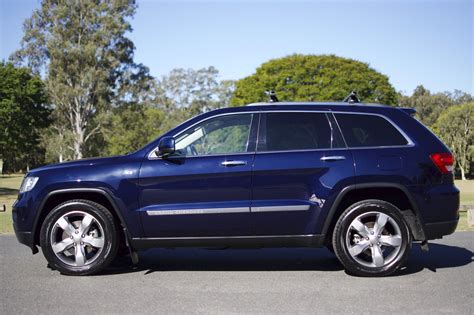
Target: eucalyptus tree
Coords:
[(82, 49)]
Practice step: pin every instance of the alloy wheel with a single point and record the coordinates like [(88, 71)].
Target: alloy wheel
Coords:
[(373, 239), (77, 238)]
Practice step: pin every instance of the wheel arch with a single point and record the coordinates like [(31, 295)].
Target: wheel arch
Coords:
[(57, 197), (358, 192)]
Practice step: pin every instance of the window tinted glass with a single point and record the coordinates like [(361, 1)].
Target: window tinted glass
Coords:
[(369, 131), (296, 131), (220, 135)]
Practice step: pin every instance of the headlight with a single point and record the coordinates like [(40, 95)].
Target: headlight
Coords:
[(28, 184)]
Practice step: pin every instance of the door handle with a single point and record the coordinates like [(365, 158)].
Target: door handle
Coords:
[(233, 163), (333, 158)]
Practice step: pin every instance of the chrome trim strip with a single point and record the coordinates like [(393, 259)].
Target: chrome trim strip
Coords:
[(198, 211), (280, 208), (229, 210)]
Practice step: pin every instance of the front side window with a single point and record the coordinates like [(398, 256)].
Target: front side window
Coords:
[(296, 131), (221, 135), (369, 131)]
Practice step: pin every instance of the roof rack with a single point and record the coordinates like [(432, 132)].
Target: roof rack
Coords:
[(352, 98), (272, 97)]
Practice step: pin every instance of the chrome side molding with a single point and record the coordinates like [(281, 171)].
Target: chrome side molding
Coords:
[(229, 210)]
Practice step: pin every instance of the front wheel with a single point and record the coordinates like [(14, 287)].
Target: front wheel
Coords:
[(79, 237), (371, 238)]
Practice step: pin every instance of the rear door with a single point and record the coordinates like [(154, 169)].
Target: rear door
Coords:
[(301, 161)]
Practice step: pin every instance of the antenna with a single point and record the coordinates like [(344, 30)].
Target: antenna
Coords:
[(352, 98), (272, 97)]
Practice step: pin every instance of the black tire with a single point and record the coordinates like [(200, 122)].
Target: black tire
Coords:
[(86, 259), (348, 241)]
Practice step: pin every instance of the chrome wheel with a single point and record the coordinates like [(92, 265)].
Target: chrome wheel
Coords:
[(77, 238), (374, 239)]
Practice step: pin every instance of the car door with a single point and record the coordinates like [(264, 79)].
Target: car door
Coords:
[(301, 161), (204, 188)]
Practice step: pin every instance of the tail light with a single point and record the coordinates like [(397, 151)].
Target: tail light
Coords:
[(443, 161)]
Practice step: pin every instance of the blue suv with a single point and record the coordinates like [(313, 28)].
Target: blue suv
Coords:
[(363, 180)]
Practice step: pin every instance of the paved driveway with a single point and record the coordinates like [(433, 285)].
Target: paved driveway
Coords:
[(242, 281)]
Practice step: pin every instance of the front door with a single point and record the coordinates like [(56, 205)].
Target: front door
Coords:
[(204, 189), (301, 161)]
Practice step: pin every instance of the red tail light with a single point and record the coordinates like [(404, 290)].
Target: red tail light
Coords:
[(443, 161)]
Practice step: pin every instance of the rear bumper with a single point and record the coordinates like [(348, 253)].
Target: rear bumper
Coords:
[(440, 229)]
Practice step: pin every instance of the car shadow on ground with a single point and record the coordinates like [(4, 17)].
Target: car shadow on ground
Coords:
[(439, 257), (277, 259)]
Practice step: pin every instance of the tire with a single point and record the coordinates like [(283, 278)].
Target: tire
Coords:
[(79, 237), (371, 238)]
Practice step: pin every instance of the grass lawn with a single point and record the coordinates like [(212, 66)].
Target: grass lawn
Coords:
[(9, 186), (467, 191)]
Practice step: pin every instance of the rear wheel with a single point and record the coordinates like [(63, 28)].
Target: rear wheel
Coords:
[(79, 237), (371, 238)]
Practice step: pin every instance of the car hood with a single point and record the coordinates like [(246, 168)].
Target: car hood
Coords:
[(77, 163)]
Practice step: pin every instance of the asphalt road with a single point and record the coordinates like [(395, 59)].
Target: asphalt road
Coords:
[(242, 281)]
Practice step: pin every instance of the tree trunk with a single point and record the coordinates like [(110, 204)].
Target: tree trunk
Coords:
[(463, 174), (78, 141), (79, 131)]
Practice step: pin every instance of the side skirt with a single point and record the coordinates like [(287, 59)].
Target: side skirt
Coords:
[(310, 240)]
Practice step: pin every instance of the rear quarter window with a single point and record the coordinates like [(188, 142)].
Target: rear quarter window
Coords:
[(361, 130)]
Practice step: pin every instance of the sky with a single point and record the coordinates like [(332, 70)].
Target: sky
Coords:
[(412, 42)]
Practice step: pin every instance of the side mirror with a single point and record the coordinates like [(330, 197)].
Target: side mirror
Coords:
[(166, 146)]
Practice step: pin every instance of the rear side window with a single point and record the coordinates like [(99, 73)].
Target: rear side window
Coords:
[(295, 131), (369, 131)]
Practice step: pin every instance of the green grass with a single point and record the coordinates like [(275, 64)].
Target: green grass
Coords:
[(467, 191), (9, 186), (462, 225)]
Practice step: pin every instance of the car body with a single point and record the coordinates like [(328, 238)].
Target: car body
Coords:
[(269, 174)]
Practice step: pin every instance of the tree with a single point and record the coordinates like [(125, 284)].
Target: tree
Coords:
[(58, 140), (314, 78), (455, 126), (23, 114), (430, 105), (133, 126), (184, 93), (82, 49)]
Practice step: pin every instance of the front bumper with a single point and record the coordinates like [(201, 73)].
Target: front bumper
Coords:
[(24, 237), (440, 229)]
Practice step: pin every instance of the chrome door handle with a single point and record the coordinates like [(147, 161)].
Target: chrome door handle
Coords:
[(233, 163), (333, 158)]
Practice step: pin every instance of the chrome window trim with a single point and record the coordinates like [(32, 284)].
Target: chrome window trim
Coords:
[(152, 156), (410, 142)]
